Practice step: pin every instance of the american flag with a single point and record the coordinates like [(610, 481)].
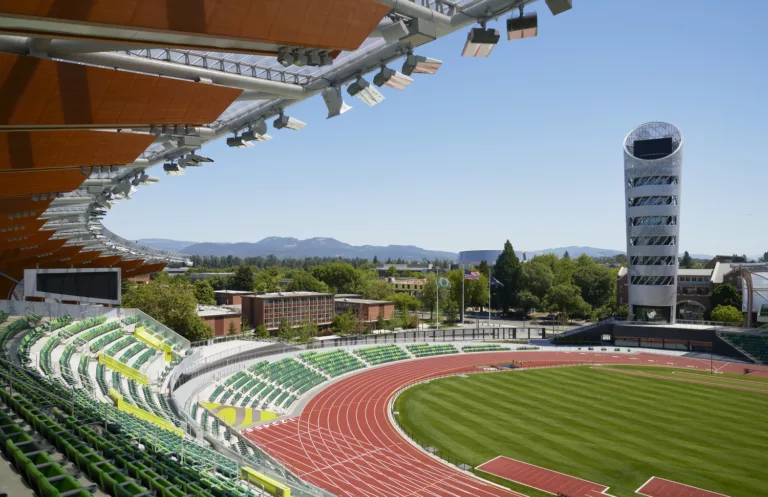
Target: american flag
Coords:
[(471, 275)]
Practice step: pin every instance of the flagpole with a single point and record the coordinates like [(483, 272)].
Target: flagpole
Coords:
[(437, 298), (489, 296), (463, 277)]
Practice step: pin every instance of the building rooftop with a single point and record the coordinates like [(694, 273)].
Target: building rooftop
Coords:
[(694, 272), (290, 295), (348, 296), (234, 292), (208, 311), (362, 301)]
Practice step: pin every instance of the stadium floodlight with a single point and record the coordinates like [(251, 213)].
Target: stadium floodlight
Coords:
[(391, 78), (192, 159), (257, 132), (284, 57), (334, 101), (363, 90), (172, 169), (480, 42), (420, 65), (559, 6), (524, 26), (238, 142), (287, 122)]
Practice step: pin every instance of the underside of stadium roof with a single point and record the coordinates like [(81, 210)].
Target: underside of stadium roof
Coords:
[(92, 94)]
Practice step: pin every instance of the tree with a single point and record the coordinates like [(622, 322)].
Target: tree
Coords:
[(597, 283), (380, 322), (261, 331), (392, 271), (174, 305), (484, 268), (305, 282), (686, 261), (344, 324), (527, 301), (307, 331), (564, 270), (405, 302), (376, 289), (507, 271), (375, 260), (450, 311), (204, 293), (232, 328), (243, 279), (727, 314), (266, 281), (339, 276), (725, 295), (285, 331), (566, 299), (764, 258), (244, 324), (537, 278)]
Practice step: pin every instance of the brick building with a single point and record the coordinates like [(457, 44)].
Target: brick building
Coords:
[(219, 319), (693, 286), (270, 308), (367, 311), (412, 286), (230, 297)]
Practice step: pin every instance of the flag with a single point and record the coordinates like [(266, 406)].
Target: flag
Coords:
[(426, 261), (443, 282), (471, 275), (495, 282)]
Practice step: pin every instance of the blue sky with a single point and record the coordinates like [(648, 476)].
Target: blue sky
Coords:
[(525, 145)]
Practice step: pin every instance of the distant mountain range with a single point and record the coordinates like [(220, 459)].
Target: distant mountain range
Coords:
[(284, 247), (299, 249)]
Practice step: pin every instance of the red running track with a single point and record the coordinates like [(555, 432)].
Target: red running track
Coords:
[(344, 441), (540, 478), (659, 487)]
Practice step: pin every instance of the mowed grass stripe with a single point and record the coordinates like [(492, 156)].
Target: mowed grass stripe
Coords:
[(642, 444), (607, 427)]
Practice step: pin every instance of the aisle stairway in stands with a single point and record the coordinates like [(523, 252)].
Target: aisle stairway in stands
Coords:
[(755, 345)]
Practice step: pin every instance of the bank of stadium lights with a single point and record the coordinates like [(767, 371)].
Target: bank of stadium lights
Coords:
[(288, 56), (480, 42), (173, 169), (194, 160), (523, 26), (334, 102), (288, 122), (256, 132), (420, 65), (391, 78), (363, 90)]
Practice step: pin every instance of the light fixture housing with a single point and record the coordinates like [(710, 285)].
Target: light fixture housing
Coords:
[(391, 78), (334, 101), (363, 90), (420, 65), (480, 42), (288, 122), (559, 6), (524, 26), (285, 57), (238, 142), (172, 169)]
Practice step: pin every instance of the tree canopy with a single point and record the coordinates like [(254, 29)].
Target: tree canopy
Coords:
[(725, 295), (243, 279), (507, 271), (173, 303), (727, 314), (305, 282), (204, 293), (686, 261), (566, 298)]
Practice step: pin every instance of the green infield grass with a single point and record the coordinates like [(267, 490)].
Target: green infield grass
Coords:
[(607, 427)]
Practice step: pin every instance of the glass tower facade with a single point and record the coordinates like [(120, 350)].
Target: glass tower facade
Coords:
[(653, 166)]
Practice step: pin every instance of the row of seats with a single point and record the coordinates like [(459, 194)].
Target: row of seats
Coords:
[(289, 374), (755, 345), (131, 352), (106, 340), (77, 327), (426, 350), (11, 331), (131, 320), (27, 341), (120, 345), (65, 364), (491, 347), (113, 458), (98, 331), (45, 354), (57, 323), (82, 370), (381, 354), (144, 357), (333, 363), (3, 317)]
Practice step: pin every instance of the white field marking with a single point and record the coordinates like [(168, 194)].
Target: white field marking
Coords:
[(605, 489), (676, 483)]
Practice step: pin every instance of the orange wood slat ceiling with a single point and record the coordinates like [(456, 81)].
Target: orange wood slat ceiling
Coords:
[(45, 92), (20, 150), (130, 264), (25, 204), (19, 226), (330, 24), (105, 261), (14, 183), (15, 240), (145, 269)]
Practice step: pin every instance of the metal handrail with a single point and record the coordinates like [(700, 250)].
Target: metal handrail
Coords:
[(143, 249)]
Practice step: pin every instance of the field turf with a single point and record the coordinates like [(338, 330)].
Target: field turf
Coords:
[(611, 428)]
